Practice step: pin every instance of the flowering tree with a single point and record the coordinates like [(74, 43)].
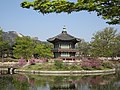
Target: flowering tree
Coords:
[(91, 64)]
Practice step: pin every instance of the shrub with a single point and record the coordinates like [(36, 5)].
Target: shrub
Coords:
[(66, 66), (40, 61), (58, 64), (32, 62), (22, 62), (91, 64), (75, 67), (107, 64)]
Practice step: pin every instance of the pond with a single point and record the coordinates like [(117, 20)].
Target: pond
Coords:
[(40, 82)]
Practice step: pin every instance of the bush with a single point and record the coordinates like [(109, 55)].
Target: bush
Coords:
[(22, 62), (58, 64), (32, 62), (41, 61), (107, 64), (91, 64)]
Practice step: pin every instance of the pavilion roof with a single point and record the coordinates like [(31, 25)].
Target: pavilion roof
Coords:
[(64, 36)]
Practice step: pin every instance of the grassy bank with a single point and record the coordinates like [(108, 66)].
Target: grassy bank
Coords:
[(65, 67)]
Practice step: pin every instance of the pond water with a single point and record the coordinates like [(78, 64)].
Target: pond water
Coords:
[(39, 82)]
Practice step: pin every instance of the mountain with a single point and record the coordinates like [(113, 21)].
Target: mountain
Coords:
[(10, 36)]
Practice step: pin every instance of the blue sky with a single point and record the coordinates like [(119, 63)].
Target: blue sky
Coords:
[(31, 23)]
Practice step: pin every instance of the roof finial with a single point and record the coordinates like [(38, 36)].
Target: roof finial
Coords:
[(64, 28)]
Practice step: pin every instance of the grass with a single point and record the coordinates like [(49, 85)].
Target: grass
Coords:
[(51, 67), (39, 66), (62, 67)]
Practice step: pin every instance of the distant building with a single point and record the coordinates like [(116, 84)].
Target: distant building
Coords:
[(64, 46)]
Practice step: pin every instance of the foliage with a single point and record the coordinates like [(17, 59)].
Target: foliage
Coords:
[(117, 49), (91, 64), (83, 48), (24, 47), (73, 66), (107, 64), (105, 43), (42, 50), (4, 45), (22, 62), (58, 64), (27, 48), (32, 62), (108, 9), (40, 60)]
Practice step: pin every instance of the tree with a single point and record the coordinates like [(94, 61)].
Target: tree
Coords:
[(117, 51), (83, 48), (27, 48), (4, 45), (24, 47), (105, 43), (43, 50), (108, 9)]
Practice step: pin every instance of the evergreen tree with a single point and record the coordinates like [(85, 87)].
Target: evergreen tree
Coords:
[(27, 48), (4, 46), (24, 47), (43, 50)]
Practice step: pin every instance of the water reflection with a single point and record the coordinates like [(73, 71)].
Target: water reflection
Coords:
[(38, 82)]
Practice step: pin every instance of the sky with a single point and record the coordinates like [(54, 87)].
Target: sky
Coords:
[(31, 23)]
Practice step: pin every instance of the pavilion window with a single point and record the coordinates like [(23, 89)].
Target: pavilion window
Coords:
[(65, 46), (65, 54)]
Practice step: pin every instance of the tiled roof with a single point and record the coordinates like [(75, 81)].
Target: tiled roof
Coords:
[(63, 37)]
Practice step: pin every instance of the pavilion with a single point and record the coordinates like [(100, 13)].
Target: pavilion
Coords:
[(64, 46)]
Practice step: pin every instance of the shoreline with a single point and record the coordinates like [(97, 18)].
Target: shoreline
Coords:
[(82, 72)]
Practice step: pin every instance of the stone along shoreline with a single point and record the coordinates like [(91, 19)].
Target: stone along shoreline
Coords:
[(109, 71)]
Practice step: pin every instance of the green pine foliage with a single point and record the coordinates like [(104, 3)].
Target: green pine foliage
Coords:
[(27, 48), (4, 45), (43, 50), (23, 48)]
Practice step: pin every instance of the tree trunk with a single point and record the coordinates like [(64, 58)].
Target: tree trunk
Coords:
[(2, 58)]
